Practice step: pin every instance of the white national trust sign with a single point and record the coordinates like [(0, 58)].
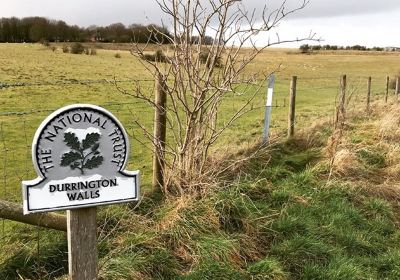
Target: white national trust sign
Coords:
[(79, 153)]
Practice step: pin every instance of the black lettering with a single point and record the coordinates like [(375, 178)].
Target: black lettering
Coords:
[(117, 155), (45, 152), (73, 186), (57, 128), (48, 167), (102, 126), (113, 182), (67, 186), (61, 120), (87, 118), (92, 184), (105, 183), (83, 185), (96, 194), (69, 120), (116, 161), (116, 139), (50, 136), (77, 117), (97, 121), (87, 195), (71, 196), (115, 132), (47, 159), (52, 188), (80, 196)]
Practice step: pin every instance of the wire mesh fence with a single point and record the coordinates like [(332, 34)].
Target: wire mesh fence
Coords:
[(25, 105)]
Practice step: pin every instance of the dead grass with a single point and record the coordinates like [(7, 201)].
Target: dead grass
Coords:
[(390, 124), (345, 163)]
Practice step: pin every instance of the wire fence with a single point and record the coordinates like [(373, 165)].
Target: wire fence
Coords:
[(25, 105)]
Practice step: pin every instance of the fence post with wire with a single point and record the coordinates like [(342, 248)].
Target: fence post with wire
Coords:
[(292, 106)]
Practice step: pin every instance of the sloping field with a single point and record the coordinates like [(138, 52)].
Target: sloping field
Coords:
[(300, 210)]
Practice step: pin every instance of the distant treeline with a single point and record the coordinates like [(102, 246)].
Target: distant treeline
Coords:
[(39, 29), (307, 48)]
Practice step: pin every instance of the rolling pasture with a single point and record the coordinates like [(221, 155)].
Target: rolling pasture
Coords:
[(294, 231), (35, 81)]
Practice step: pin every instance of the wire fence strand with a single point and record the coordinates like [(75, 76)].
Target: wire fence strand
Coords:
[(21, 122)]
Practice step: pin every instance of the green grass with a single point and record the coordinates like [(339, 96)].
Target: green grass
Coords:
[(275, 218)]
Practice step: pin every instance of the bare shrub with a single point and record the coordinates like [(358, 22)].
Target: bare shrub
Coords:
[(196, 91), (93, 51), (117, 55)]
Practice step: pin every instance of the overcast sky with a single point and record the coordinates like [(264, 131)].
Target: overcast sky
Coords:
[(339, 22)]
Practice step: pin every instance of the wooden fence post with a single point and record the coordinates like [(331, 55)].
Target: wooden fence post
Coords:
[(341, 110), (160, 130), (387, 88), (369, 93), (82, 243), (397, 92), (292, 106)]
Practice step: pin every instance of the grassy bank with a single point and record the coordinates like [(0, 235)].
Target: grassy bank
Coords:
[(302, 209), (279, 216)]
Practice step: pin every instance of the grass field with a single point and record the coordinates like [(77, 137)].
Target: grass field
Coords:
[(293, 239), (34, 66)]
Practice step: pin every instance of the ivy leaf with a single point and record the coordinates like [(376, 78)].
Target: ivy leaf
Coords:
[(69, 158), (90, 140), (71, 140), (93, 162)]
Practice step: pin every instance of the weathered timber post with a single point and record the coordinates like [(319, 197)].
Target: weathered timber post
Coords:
[(292, 106), (387, 88), (397, 92), (82, 243), (160, 130), (15, 212), (341, 110), (369, 93)]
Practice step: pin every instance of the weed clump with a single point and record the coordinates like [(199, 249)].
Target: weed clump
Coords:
[(65, 49), (345, 163), (158, 56), (390, 124), (267, 269), (207, 59), (371, 158), (77, 48)]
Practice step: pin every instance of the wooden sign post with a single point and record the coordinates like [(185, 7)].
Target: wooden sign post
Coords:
[(82, 243), (80, 153)]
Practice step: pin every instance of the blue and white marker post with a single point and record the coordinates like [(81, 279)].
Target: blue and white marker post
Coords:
[(268, 108)]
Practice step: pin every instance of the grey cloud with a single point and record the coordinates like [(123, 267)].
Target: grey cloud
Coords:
[(103, 12), (329, 8)]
